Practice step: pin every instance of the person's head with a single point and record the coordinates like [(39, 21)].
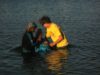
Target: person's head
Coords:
[(31, 27), (45, 21)]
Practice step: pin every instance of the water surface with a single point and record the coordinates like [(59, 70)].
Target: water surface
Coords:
[(79, 19)]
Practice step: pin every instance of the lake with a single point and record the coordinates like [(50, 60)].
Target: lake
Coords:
[(80, 21)]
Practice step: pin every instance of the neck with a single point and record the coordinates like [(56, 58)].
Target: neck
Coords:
[(49, 24)]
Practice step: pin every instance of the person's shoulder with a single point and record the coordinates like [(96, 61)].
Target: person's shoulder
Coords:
[(24, 33), (54, 25)]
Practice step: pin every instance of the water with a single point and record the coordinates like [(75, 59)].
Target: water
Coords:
[(79, 19)]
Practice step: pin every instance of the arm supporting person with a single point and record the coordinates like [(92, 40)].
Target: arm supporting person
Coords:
[(60, 38)]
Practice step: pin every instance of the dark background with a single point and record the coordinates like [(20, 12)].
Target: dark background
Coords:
[(79, 19)]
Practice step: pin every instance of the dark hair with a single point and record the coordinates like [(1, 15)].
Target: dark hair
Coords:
[(44, 19)]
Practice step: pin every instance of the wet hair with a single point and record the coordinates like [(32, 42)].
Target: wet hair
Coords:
[(44, 19)]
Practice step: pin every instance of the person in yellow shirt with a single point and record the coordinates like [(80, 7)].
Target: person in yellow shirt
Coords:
[(54, 32)]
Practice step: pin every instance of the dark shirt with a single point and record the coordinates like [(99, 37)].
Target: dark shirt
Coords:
[(26, 40)]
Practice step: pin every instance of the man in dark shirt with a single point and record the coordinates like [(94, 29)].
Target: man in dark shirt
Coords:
[(31, 39)]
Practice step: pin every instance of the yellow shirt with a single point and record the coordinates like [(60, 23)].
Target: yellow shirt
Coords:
[(53, 32)]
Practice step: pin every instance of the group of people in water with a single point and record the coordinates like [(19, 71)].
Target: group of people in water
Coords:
[(51, 45), (33, 40)]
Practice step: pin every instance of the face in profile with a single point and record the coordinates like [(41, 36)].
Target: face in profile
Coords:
[(46, 25)]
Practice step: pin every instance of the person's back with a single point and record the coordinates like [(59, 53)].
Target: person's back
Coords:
[(31, 38), (27, 49), (54, 32), (26, 42)]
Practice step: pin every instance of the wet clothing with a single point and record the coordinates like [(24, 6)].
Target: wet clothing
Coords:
[(26, 42), (43, 49), (29, 40), (54, 32)]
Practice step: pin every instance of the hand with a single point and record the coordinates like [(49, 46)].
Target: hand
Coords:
[(52, 44)]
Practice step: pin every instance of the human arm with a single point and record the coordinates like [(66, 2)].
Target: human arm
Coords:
[(39, 35), (60, 38), (57, 35)]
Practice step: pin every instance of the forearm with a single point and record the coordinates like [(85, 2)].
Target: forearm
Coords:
[(39, 38), (58, 40)]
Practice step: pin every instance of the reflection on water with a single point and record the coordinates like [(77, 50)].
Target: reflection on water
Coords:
[(54, 64), (56, 60)]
